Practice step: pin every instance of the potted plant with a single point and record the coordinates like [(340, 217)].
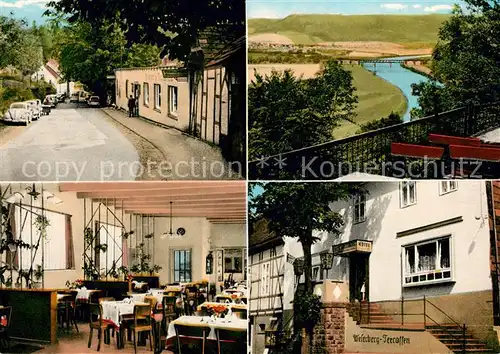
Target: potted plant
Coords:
[(126, 235), (124, 271), (155, 269), (38, 274), (103, 247), (41, 223)]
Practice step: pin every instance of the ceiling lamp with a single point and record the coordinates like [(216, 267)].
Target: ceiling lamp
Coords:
[(171, 233), (31, 191), (15, 198), (51, 198)]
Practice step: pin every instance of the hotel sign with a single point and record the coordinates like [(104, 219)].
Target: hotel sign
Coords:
[(354, 246)]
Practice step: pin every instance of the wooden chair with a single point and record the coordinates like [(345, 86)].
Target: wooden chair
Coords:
[(67, 311), (168, 310), (5, 315), (98, 323), (191, 334), (439, 139), (231, 341), (143, 322), (191, 299)]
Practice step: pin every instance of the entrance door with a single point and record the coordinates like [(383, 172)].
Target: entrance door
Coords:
[(358, 275)]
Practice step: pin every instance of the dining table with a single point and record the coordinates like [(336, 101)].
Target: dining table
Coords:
[(227, 305), (84, 294), (228, 323)]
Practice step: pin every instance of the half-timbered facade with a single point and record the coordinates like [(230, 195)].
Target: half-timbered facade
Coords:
[(267, 259), (205, 97), (404, 242)]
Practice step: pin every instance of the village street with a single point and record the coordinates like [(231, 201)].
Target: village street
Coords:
[(85, 144)]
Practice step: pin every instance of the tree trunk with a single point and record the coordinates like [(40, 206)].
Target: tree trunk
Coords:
[(306, 249)]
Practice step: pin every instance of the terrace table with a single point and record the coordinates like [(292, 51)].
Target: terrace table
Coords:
[(235, 324)]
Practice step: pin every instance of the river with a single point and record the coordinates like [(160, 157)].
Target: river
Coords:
[(401, 78)]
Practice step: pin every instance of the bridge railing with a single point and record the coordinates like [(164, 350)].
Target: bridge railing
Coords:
[(370, 152)]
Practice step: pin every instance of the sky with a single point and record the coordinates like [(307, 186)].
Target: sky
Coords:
[(31, 10), (282, 8)]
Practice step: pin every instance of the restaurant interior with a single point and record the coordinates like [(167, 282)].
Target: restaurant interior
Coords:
[(130, 267)]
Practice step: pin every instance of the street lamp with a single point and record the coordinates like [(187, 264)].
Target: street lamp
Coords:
[(298, 268)]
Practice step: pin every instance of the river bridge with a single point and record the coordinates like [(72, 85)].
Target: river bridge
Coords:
[(382, 61)]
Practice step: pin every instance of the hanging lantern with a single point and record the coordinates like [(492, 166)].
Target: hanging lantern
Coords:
[(326, 260), (209, 265), (298, 266), (270, 338)]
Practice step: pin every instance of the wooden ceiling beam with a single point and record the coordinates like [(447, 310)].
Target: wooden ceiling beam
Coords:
[(152, 185), (186, 194)]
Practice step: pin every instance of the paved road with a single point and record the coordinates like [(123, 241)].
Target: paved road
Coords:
[(70, 144)]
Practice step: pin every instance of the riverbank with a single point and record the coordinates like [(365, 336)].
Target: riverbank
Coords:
[(377, 97), (419, 69)]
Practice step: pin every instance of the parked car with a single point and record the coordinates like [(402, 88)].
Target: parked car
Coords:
[(19, 112), (61, 98), (36, 108), (84, 96), (94, 101), (75, 96), (50, 100)]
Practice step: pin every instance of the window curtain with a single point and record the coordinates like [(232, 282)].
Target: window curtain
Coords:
[(70, 254), (124, 252)]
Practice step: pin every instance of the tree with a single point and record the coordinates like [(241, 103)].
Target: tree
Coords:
[(296, 210), (172, 25), (29, 54), (388, 121), (11, 36), (287, 113), (466, 59), (89, 55)]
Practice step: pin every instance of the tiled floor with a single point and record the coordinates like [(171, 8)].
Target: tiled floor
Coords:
[(77, 343)]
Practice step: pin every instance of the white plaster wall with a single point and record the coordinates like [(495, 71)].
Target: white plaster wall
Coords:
[(73, 206), (385, 218), (154, 76), (229, 236), (196, 233)]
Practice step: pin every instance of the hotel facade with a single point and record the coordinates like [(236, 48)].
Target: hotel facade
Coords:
[(413, 260)]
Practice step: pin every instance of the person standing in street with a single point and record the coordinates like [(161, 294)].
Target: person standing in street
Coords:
[(131, 106)]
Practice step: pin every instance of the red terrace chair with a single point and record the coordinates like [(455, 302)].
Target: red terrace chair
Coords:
[(411, 150), (453, 140), (490, 145), (475, 153)]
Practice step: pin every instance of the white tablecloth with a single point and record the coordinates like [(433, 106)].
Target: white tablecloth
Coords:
[(222, 323), (114, 310), (62, 296), (140, 297), (231, 305)]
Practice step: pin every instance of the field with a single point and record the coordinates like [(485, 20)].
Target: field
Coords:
[(414, 31), (377, 98)]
